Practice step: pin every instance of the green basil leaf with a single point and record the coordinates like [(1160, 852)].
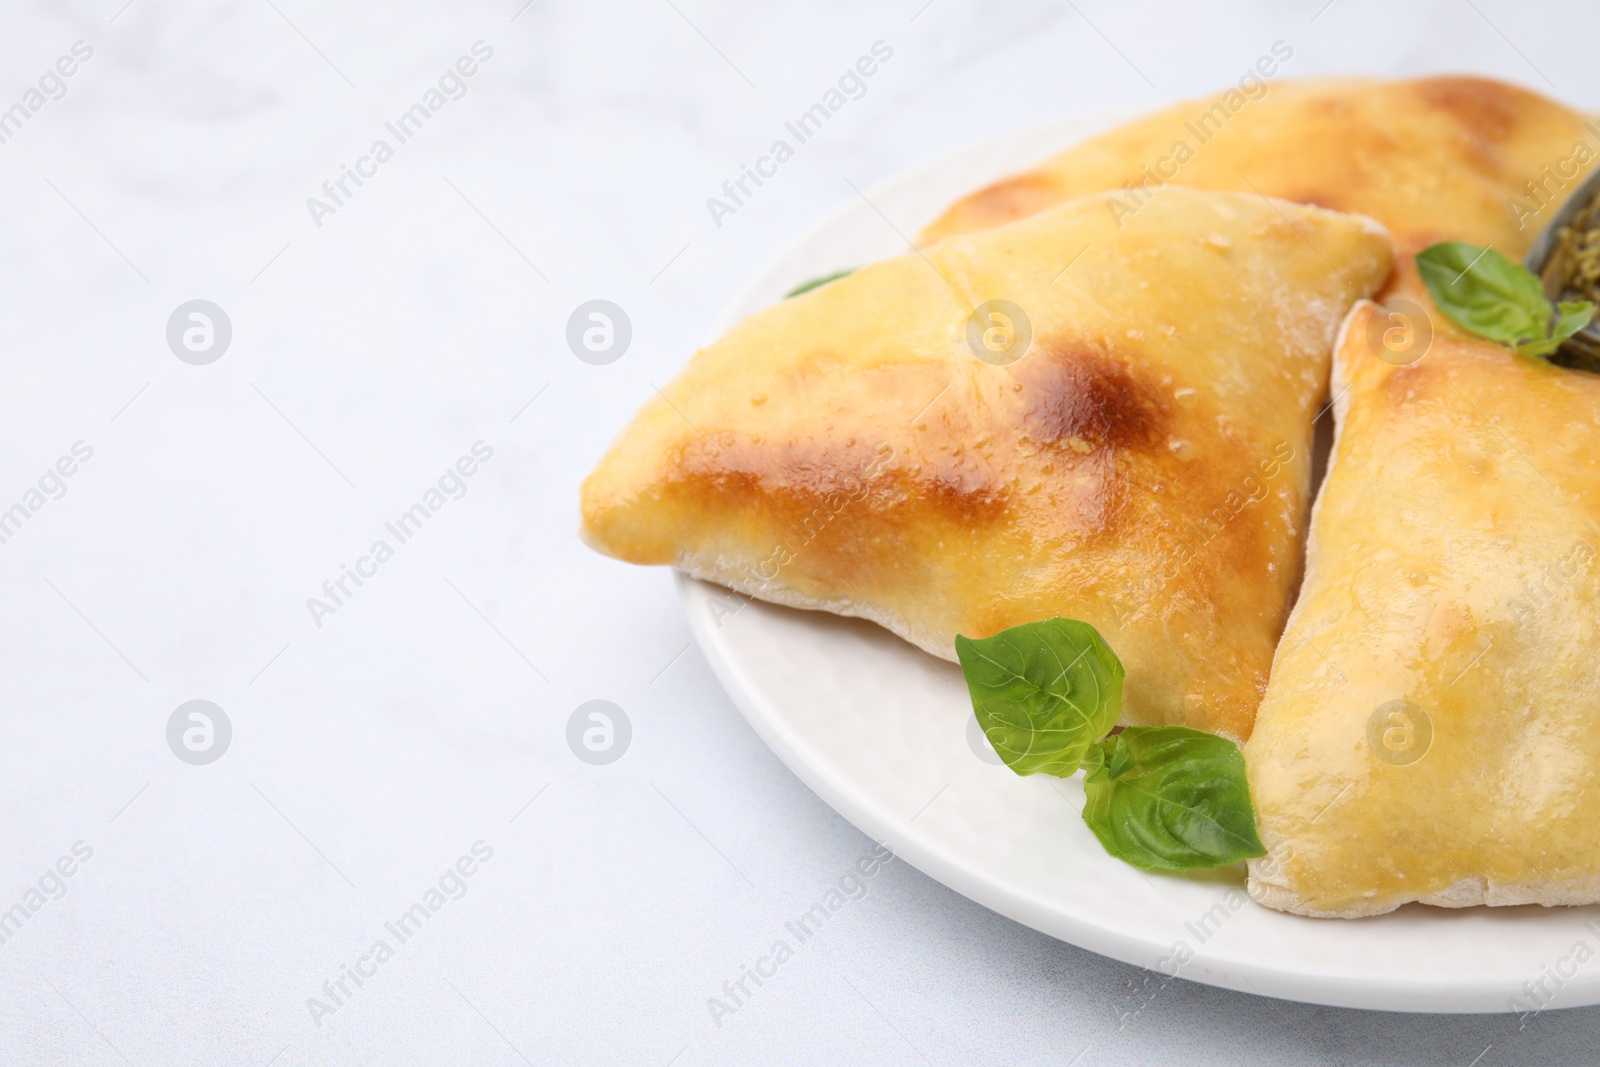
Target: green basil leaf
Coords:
[(1482, 291), (1571, 316), (817, 283), (1169, 798), (1485, 293), (1043, 692)]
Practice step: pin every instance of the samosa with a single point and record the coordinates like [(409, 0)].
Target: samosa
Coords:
[(1434, 158), (1052, 418), (1430, 731)]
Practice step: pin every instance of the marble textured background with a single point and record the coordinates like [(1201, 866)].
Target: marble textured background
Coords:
[(367, 354)]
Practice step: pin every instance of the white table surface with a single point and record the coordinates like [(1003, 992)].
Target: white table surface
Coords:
[(371, 752)]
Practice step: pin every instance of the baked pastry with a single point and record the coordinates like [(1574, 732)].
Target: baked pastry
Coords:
[(1430, 731), (1055, 417), (1432, 159)]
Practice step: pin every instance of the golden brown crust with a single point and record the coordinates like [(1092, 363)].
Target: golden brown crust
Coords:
[(1453, 564), (1430, 158), (1143, 468)]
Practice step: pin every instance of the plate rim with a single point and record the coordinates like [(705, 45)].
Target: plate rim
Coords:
[(1398, 994)]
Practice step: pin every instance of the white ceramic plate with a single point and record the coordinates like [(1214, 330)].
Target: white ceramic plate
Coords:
[(886, 736)]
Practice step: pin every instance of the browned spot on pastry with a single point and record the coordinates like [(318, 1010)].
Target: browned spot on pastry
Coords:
[(1003, 201), (1487, 109), (1096, 426), (805, 488), (1073, 395)]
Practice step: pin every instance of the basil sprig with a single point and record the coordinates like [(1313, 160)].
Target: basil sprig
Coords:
[(817, 283), (1157, 797), (1043, 692), (1169, 798), (1485, 293)]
